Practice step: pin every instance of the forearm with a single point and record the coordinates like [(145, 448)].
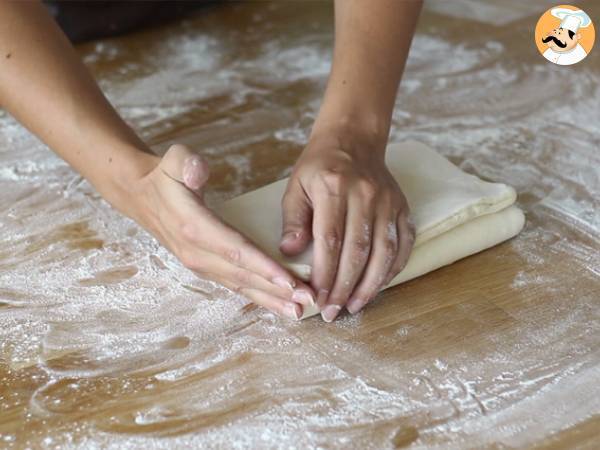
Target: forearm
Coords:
[(45, 86), (372, 41)]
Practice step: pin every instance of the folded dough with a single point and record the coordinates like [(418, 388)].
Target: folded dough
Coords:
[(455, 214)]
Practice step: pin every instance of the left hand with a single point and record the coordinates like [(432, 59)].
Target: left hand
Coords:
[(345, 199)]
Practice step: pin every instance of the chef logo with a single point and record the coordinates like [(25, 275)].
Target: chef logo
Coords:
[(564, 35)]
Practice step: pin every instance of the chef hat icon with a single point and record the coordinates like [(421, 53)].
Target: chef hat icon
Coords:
[(571, 20)]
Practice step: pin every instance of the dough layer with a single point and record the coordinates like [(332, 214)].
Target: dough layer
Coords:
[(455, 214), (472, 237)]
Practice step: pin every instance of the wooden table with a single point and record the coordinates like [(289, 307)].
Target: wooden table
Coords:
[(107, 342)]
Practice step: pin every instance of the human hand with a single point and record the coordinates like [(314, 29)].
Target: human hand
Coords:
[(346, 200), (173, 210)]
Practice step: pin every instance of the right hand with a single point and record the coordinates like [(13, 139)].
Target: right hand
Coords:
[(170, 205)]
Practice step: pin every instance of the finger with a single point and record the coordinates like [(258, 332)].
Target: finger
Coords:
[(281, 308), (237, 250), (406, 237), (273, 303), (355, 253), (211, 266), (328, 231), (244, 254), (297, 218), (183, 165), (384, 253)]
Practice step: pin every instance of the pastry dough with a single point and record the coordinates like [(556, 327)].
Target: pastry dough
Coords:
[(455, 214)]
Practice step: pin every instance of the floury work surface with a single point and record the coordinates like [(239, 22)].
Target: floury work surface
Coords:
[(106, 341)]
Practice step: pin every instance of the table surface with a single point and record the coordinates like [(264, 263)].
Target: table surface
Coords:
[(107, 341)]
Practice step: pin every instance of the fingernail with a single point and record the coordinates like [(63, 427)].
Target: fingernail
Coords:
[(330, 312), (292, 311), (303, 297), (355, 305), (289, 237), (322, 297), (282, 282), (191, 177)]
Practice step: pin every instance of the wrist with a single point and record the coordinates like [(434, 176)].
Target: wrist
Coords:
[(354, 133), (120, 182)]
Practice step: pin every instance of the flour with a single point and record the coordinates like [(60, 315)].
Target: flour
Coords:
[(144, 354)]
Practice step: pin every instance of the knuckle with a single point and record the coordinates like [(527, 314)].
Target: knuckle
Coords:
[(361, 247), (342, 290), (367, 188), (190, 262), (391, 233), (389, 248), (361, 244), (332, 239), (338, 299), (390, 276), (188, 230), (398, 265), (232, 255), (293, 221), (239, 289), (370, 290), (332, 181), (395, 270), (379, 282), (242, 277)]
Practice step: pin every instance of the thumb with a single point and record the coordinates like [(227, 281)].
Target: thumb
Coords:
[(297, 219), (185, 166)]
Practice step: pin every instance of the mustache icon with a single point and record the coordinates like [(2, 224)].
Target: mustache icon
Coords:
[(555, 40)]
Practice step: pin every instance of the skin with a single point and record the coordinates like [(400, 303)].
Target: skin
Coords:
[(340, 193), (563, 36)]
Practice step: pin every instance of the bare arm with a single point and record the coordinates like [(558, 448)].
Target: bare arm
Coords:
[(44, 85), (48, 89), (372, 40), (341, 193)]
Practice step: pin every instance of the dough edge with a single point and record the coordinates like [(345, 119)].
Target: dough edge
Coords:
[(464, 240)]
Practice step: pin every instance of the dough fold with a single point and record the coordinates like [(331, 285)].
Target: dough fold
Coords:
[(455, 214)]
